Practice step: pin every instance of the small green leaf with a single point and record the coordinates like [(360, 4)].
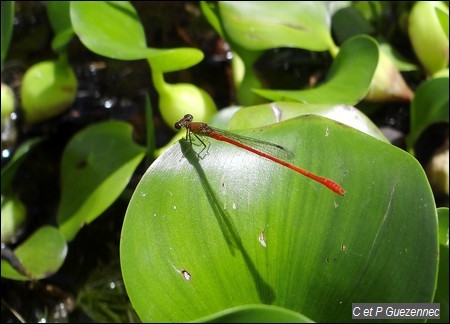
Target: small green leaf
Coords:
[(96, 166), (348, 80), (228, 228), (42, 254), (430, 105), (170, 60)]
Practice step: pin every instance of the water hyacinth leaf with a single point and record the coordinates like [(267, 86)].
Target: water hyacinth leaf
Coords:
[(96, 166), (170, 60), (348, 80), (42, 254), (203, 234), (125, 38), (266, 114), (430, 105), (264, 25)]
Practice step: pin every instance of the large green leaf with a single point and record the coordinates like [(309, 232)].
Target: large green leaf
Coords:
[(229, 228), (260, 25), (96, 166), (113, 29), (430, 105), (348, 80), (42, 254)]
